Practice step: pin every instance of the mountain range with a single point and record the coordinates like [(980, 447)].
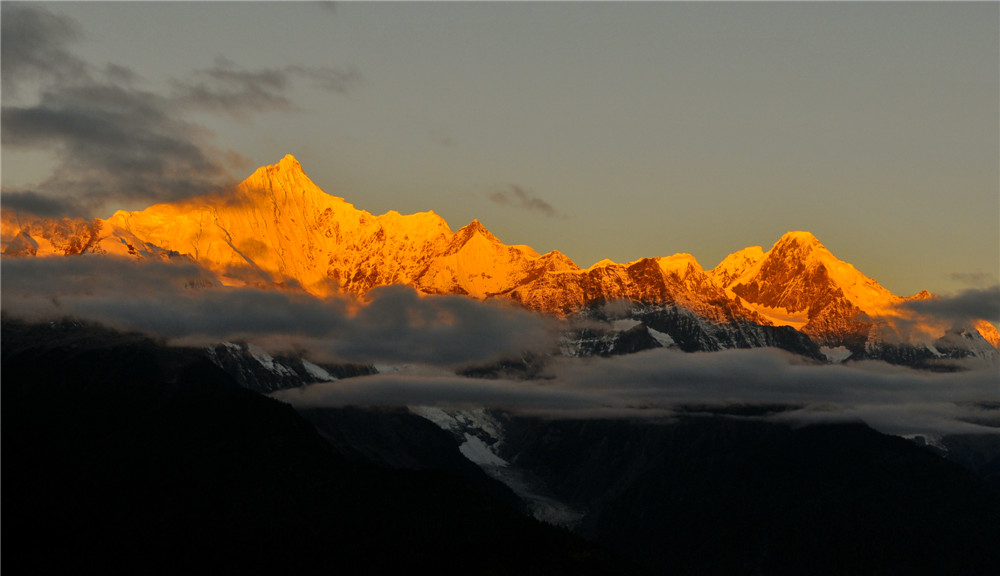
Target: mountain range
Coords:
[(277, 229), (132, 455)]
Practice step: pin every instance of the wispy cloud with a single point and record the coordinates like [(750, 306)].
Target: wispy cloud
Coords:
[(975, 279), (35, 45), (115, 142), (518, 197), (227, 88)]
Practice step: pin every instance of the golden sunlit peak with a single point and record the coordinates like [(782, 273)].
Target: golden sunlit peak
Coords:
[(799, 240), (800, 236), (286, 166), (476, 226), (802, 239), (289, 163)]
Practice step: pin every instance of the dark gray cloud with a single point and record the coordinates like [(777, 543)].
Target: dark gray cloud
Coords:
[(115, 142), (38, 204), (181, 302), (518, 197), (225, 87), (35, 46), (447, 329), (971, 304)]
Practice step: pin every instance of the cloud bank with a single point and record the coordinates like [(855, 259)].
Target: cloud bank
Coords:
[(927, 320), (968, 305), (116, 143), (426, 339), (182, 303), (664, 383)]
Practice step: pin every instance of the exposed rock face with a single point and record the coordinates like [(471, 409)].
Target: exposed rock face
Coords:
[(676, 280), (799, 281), (278, 229)]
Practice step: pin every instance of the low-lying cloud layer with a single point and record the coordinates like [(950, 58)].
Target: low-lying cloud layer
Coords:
[(927, 320), (181, 302), (659, 383), (427, 338)]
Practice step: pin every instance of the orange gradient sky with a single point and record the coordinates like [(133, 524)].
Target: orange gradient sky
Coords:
[(603, 130)]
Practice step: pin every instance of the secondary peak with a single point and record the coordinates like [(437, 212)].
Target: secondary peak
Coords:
[(475, 226)]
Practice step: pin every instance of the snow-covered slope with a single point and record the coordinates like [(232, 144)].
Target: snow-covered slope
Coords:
[(277, 229), (800, 283), (480, 434), (798, 279)]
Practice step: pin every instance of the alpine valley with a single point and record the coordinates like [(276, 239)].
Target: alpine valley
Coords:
[(126, 452)]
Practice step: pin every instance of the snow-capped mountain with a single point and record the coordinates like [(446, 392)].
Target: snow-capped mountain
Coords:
[(277, 229), (799, 283)]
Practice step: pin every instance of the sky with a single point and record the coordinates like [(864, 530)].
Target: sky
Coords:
[(616, 130)]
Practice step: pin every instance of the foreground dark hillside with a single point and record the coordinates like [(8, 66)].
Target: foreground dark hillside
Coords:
[(124, 456), (127, 456), (713, 494)]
